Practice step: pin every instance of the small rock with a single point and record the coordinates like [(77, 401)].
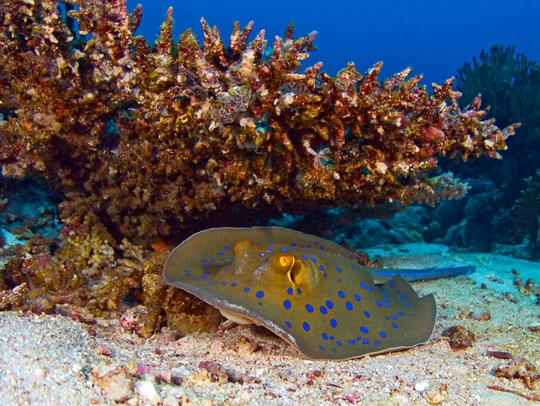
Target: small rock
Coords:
[(149, 393), (459, 337), (116, 384), (421, 386)]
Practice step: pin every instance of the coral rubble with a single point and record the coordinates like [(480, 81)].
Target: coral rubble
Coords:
[(141, 138)]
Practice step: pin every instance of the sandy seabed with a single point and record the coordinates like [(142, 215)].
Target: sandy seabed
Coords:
[(53, 360)]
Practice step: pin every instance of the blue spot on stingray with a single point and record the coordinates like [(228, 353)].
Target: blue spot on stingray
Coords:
[(220, 254), (227, 248), (259, 294), (323, 310), (329, 304), (269, 251), (287, 304), (379, 303), (304, 257), (376, 343), (338, 343), (382, 334), (259, 303), (293, 244), (357, 297), (270, 245), (316, 243), (351, 342), (206, 266), (226, 267), (247, 290), (261, 254), (186, 272), (364, 329), (349, 306), (314, 260), (394, 317), (322, 348), (394, 325), (333, 323), (400, 313), (229, 259), (331, 338), (363, 285), (324, 275), (211, 282), (321, 268), (324, 336), (338, 269), (284, 249), (212, 260), (384, 292), (309, 308), (290, 291), (288, 324), (391, 284), (341, 294), (299, 291), (365, 341), (205, 261), (206, 274), (233, 284), (321, 247), (306, 326), (366, 313)]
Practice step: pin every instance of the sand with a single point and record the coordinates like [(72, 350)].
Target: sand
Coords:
[(52, 360)]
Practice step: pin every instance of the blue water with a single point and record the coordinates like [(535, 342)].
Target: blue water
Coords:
[(433, 37)]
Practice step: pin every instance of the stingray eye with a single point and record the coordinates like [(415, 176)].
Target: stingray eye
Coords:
[(286, 261), (283, 263)]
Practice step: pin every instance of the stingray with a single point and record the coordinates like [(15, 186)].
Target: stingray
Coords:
[(307, 290)]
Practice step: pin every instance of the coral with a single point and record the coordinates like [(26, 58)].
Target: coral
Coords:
[(526, 214), (510, 84), (143, 139), (147, 136)]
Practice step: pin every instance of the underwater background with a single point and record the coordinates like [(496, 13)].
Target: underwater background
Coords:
[(435, 39), (126, 130), (116, 147)]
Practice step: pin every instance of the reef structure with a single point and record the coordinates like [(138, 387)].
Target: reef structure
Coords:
[(145, 136), (140, 139)]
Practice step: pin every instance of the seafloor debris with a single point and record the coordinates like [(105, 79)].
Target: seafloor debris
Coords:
[(519, 368), (140, 139), (459, 338)]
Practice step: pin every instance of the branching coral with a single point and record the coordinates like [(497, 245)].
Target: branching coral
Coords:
[(142, 138), (146, 135)]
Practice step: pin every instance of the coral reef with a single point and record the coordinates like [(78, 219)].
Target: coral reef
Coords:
[(526, 215), (143, 139), (510, 84)]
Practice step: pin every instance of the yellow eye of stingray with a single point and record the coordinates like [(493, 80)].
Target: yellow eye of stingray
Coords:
[(282, 263), (286, 261)]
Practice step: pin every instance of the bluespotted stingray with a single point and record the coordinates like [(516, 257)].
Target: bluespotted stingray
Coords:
[(307, 290)]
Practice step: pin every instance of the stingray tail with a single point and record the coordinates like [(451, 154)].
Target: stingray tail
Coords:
[(422, 274)]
